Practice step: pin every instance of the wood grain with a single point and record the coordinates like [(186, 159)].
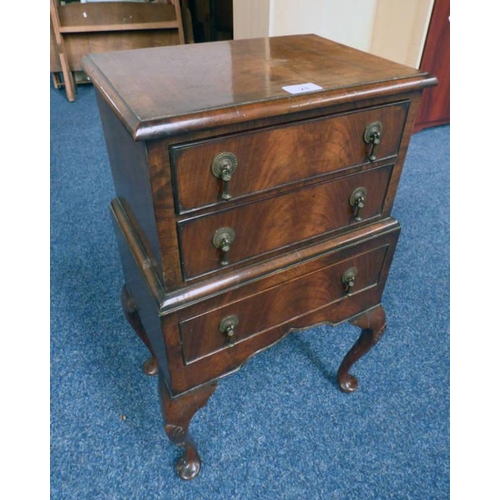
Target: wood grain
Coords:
[(177, 414), (201, 335), (281, 221), (372, 323), (129, 167), (242, 80), (270, 158), (167, 112), (227, 360)]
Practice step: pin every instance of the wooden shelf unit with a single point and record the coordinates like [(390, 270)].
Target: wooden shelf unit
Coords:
[(77, 29)]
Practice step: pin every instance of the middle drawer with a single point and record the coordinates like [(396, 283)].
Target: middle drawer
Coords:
[(212, 242)]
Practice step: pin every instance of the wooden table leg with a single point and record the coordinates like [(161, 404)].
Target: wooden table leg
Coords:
[(177, 414), (150, 366), (373, 325)]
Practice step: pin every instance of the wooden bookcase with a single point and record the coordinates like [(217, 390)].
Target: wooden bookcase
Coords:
[(77, 29)]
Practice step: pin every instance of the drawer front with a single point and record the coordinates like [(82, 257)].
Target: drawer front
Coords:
[(278, 156), (264, 226), (226, 327)]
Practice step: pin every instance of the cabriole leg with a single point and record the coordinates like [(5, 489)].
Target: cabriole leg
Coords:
[(373, 325), (177, 414), (150, 366)]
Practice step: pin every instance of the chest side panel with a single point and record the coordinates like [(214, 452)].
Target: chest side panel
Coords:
[(129, 166)]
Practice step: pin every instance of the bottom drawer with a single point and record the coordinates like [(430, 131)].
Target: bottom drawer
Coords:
[(343, 277)]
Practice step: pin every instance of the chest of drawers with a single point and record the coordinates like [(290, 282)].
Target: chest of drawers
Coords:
[(245, 209)]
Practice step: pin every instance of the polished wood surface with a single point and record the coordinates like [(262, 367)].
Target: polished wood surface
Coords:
[(129, 163), (242, 80), (372, 324), (177, 414), (168, 300), (263, 157), (150, 366), (201, 335), (282, 220), (328, 304), (310, 211)]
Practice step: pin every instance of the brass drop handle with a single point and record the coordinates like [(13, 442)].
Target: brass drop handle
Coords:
[(227, 326), (223, 239), (372, 137), (348, 280), (223, 167), (357, 201)]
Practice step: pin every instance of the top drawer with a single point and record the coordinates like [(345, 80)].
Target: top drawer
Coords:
[(260, 160)]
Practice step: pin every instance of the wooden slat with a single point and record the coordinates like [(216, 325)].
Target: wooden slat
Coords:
[(80, 44), (114, 14), (120, 27)]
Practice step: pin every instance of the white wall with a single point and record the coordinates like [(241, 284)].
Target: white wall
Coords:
[(394, 29), (251, 18), (345, 21), (400, 29)]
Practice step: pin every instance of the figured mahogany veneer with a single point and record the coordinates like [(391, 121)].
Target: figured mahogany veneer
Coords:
[(243, 212), (282, 220), (264, 156), (280, 304)]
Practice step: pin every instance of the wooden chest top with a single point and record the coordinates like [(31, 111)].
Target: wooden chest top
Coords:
[(166, 90)]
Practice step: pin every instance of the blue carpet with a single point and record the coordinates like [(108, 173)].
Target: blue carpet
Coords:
[(280, 428)]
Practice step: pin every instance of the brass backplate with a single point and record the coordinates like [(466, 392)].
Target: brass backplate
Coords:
[(370, 130), (349, 275), (358, 193), (223, 161)]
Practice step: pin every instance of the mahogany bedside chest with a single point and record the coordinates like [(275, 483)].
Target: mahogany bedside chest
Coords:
[(254, 185)]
